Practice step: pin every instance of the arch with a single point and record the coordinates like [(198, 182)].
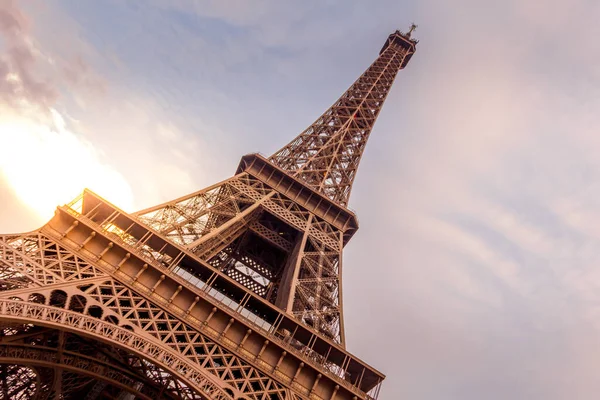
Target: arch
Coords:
[(85, 326), (58, 298), (95, 311), (37, 298), (29, 363), (77, 303)]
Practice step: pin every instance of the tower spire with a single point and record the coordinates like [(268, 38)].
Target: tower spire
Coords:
[(326, 155), (413, 27)]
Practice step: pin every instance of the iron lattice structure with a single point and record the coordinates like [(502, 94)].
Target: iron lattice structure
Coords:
[(232, 292)]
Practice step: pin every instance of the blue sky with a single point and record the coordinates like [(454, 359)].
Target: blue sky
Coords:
[(475, 273)]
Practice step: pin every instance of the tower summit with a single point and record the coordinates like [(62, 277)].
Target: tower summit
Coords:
[(231, 292)]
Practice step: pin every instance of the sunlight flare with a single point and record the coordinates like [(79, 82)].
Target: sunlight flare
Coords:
[(47, 165)]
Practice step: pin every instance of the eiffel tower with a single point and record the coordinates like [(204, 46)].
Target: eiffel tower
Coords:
[(231, 292)]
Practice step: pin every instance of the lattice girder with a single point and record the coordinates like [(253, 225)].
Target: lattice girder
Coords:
[(214, 245), (188, 219), (38, 260), (326, 155)]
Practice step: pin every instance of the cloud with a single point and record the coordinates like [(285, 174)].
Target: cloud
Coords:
[(34, 75), (18, 81)]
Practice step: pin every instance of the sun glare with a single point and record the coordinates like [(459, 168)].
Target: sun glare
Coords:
[(46, 166)]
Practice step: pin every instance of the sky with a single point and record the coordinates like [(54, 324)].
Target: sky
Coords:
[(475, 273)]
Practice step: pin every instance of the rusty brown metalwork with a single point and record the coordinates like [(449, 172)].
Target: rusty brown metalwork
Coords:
[(231, 292)]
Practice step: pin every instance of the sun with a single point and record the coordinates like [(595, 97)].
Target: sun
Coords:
[(47, 165)]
